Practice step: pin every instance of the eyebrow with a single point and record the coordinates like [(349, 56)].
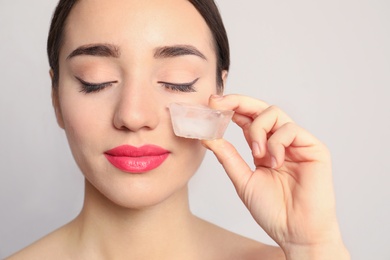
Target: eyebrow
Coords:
[(177, 50), (110, 50), (100, 50)]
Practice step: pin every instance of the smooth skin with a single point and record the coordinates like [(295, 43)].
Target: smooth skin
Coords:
[(290, 191), (147, 216)]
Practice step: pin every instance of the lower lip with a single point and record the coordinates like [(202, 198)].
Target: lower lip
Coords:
[(137, 164)]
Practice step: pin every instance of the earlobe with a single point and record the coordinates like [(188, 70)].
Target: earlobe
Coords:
[(57, 108), (51, 72), (55, 101), (224, 76)]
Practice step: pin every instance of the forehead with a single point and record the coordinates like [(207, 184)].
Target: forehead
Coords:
[(137, 25)]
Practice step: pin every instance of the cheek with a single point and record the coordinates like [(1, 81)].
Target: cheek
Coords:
[(82, 125), (191, 154)]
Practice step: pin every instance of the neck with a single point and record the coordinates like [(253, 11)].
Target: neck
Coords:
[(113, 231)]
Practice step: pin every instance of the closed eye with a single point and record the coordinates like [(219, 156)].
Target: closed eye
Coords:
[(181, 87), (88, 87)]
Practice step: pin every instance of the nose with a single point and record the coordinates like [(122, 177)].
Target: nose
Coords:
[(137, 108)]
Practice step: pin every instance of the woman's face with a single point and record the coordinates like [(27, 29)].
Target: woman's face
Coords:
[(121, 64)]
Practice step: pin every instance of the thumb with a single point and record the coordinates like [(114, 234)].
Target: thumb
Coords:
[(237, 169)]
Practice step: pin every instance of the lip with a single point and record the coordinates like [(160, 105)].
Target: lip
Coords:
[(132, 159)]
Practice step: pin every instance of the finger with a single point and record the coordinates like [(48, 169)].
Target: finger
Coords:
[(266, 123), (246, 109), (258, 147), (291, 135), (278, 143), (237, 169), (244, 122), (243, 105)]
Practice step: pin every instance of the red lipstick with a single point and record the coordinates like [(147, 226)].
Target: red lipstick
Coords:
[(132, 159)]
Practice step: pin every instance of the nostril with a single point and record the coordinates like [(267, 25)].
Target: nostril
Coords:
[(133, 115)]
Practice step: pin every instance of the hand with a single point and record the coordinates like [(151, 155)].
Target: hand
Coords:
[(289, 192)]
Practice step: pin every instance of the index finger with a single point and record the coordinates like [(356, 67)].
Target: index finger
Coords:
[(243, 105)]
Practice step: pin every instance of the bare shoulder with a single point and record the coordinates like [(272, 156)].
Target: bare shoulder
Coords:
[(223, 244), (50, 246)]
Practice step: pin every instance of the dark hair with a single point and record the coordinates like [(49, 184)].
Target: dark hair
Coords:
[(207, 8)]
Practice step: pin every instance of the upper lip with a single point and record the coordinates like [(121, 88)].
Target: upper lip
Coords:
[(132, 151)]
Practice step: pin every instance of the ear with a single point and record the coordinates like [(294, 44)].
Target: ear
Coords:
[(56, 102), (224, 76)]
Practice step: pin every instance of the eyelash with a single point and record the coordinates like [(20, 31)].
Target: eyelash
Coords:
[(88, 87), (182, 87)]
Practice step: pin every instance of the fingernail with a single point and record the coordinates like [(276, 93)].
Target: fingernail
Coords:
[(274, 163), (216, 97), (256, 149)]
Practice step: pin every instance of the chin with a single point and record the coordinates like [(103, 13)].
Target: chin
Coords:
[(148, 200), (135, 191)]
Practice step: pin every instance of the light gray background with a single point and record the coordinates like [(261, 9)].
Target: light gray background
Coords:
[(327, 63)]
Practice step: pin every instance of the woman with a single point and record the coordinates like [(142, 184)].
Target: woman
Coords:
[(115, 66)]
